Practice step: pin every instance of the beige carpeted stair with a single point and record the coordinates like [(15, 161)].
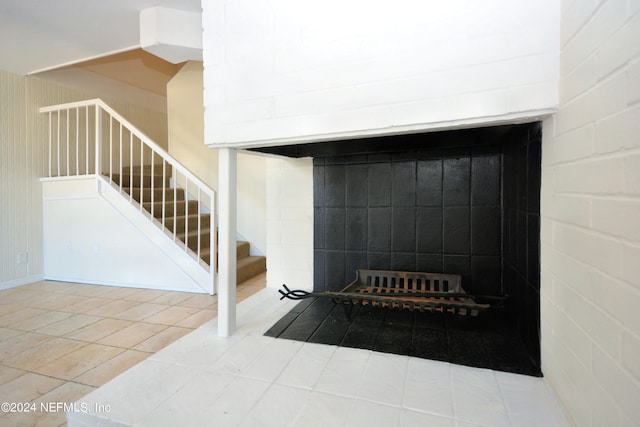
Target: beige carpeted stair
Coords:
[(179, 212)]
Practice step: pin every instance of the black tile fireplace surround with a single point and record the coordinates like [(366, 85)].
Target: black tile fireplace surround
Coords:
[(465, 202)]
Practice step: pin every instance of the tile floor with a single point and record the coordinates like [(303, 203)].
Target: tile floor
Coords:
[(59, 341), (250, 379)]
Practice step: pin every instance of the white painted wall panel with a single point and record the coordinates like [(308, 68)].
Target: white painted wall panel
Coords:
[(337, 69), (289, 189), (90, 239)]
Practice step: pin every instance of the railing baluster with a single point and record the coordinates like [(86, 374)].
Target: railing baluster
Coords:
[(164, 179), (58, 145), (152, 185), (212, 237), (141, 180), (120, 184), (78, 141), (98, 148), (199, 225), (50, 138), (131, 167), (186, 213), (86, 139), (68, 143), (175, 203), (111, 149)]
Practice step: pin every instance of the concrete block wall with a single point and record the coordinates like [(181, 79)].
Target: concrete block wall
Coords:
[(590, 206), (288, 71), (289, 194)]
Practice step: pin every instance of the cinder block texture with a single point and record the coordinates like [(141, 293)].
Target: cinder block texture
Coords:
[(591, 216)]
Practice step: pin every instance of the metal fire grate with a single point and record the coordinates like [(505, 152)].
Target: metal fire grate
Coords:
[(403, 290)]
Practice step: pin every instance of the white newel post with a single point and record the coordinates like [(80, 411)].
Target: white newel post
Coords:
[(227, 169)]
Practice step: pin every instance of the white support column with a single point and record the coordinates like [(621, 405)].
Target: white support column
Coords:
[(227, 170)]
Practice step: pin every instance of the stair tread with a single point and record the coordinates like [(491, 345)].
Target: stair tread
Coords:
[(249, 259)]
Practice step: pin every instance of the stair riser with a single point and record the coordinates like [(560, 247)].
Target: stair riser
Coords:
[(205, 241), (254, 267), (157, 194), (147, 181), (180, 208), (147, 169), (243, 249), (193, 223)]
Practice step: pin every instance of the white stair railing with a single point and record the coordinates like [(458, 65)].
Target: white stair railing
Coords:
[(90, 138)]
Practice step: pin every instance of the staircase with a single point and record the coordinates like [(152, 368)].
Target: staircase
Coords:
[(183, 218)]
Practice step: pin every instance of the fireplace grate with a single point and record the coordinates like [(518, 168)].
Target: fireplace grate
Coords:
[(402, 290)]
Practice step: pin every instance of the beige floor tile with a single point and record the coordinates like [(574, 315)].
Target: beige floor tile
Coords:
[(141, 311), (60, 302), (132, 335), (8, 373), (171, 315), (17, 316), (171, 298), (19, 296), (110, 369), (260, 280), (71, 288), (112, 308), (87, 304), (100, 329), (198, 319), (199, 301), (10, 308), (39, 320), (52, 286), (67, 392), (28, 387), (40, 285), (6, 333), (50, 411), (145, 295), (162, 339), (53, 301), (20, 343), (121, 293), (92, 290), (32, 419), (45, 353), (79, 361), (68, 325)]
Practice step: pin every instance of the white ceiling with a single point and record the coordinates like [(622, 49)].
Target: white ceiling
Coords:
[(37, 35)]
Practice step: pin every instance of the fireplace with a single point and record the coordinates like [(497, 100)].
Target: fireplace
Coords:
[(461, 202)]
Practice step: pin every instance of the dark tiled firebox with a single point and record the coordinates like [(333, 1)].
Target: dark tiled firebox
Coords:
[(464, 202)]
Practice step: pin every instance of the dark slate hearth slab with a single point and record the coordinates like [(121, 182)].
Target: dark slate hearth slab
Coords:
[(484, 342)]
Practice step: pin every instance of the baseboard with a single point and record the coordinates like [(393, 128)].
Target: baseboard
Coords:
[(19, 282), (85, 281)]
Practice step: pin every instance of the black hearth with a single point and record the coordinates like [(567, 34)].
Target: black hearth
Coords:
[(463, 202)]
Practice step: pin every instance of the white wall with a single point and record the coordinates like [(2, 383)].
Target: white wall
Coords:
[(306, 70), (185, 115), (94, 235), (591, 217), (290, 223), (186, 136), (24, 160)]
